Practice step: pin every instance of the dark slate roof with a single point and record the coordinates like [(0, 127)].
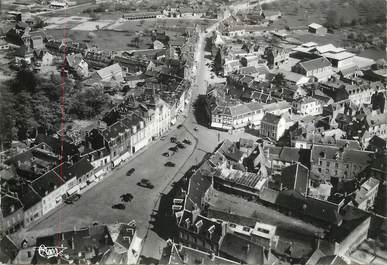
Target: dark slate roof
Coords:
[(55, 144), (320, 210), (113, 131), (8, 250), (8, 202), (206, 224), (126, 234), (230, 150), (28, 196), (198, 185), (242, 250), (78, 169), (47, 183), (295, 177), (271, 118)]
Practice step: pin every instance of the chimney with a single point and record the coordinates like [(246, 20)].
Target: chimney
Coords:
[(212, 256), (247, 248)]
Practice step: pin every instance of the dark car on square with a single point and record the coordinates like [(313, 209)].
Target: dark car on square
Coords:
[(130, 172), (169, 164), (173, 139), (145, 183), (119, 206), (72, 198)]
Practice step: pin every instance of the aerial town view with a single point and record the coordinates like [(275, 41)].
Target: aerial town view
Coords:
[(193, 132)]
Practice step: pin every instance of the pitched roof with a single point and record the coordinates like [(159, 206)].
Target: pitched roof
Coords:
[(78, 169), (9, 204), (47, 183), (181, 254), (295, 177), (8, 250), (315, 64), (56, 144), (28, 196), (315, 26), (242, 250), (109, 72), (271, 118), (198, 186), (74, 59), (320, 210)]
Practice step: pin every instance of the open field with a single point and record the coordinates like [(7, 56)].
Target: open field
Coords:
[(92, 25), (102, 39)]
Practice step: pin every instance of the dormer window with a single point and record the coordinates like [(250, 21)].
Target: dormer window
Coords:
[(187, 222), (211, 231), (198, 225)]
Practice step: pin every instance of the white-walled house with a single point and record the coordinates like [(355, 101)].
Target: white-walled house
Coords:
[(273, 126)]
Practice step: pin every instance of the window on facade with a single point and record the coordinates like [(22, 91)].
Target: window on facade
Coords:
[(328, 164), (319, 169)]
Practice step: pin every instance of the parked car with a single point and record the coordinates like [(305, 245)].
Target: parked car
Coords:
[(162, 138), (187, 141), (130, 172), (166, 154), (173, 149), (196, 129), (72, 198), (173, 139), (119, 206), (145, 183), (169, 164), (180, 145), (179, 126)]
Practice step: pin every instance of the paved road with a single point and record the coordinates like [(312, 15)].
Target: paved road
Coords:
[(96, 204)]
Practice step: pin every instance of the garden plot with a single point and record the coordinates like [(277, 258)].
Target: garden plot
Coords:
[(93, 25), (63, 20)]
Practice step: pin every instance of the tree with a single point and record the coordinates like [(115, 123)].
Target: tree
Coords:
[(25, 80), (243, 61), (279, 80), (218, 62), (332, 19), (90, 102), (7, 121)]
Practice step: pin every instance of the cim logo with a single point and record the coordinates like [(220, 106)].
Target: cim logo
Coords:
[(52, 252)]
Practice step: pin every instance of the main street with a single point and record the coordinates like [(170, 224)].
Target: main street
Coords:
[(95, 205)]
